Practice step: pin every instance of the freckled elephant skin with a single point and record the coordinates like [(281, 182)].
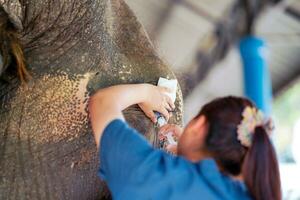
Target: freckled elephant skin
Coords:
[(72, 48)]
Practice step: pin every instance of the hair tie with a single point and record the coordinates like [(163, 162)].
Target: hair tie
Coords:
[(252, 118)]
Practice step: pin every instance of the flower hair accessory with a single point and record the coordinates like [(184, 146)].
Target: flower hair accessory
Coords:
[(252, 118)]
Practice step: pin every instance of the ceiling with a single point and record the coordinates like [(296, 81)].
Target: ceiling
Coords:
[(179, 29)]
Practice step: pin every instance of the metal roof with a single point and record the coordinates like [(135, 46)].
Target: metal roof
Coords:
[(177, 27)]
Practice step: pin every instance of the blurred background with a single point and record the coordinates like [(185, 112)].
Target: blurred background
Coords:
[(200, 39)]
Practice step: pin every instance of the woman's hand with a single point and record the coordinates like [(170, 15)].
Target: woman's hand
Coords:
[(157, 100), (107, 104), (176, 132), (173, 128)]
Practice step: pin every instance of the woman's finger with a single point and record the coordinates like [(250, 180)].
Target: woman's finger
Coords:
[(163, 128), (170, 102), (172, 149), (152, 116), (173, 128), (168, 107), (165, 113), (162, 137), (167, 128)]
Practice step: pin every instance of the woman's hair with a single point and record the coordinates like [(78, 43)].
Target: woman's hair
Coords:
[(10, 48), (258, 163)]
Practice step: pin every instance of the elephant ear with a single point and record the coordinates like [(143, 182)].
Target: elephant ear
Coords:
[(14, 10)]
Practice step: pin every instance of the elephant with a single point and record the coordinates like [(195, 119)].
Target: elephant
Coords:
[(71, 49)]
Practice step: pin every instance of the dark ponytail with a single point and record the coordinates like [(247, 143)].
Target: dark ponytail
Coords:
[(11, 50), (260, 168), (258, 163)]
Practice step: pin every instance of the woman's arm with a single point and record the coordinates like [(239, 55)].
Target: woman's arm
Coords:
[(107, 104)]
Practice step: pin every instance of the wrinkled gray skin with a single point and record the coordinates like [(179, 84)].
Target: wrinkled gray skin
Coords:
[(72, 48)]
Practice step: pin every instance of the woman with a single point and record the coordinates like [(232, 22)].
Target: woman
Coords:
[(224, 152)]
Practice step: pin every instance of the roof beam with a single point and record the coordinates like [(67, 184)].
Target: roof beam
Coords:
[(288, 80), (293, 12)]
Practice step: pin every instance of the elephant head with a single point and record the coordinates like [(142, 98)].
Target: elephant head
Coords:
[(71, 49)]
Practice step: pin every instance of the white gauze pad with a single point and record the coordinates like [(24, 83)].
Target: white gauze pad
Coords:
[(172, 85)]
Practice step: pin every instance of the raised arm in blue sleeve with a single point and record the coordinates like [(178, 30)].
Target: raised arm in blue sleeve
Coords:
[(122, 150)]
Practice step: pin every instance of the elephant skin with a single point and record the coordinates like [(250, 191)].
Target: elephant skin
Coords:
[(72, 48)]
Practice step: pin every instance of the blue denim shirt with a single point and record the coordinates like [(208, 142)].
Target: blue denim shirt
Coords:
[(135, 170)]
